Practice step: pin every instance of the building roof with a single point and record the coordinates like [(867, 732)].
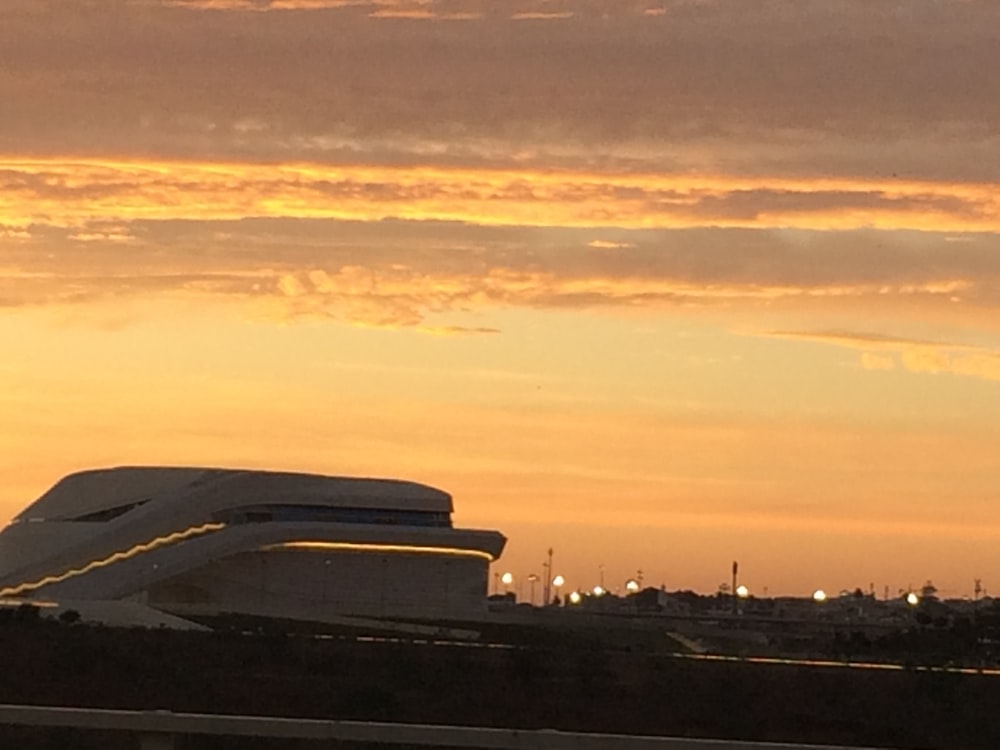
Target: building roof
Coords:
[(97, 490)]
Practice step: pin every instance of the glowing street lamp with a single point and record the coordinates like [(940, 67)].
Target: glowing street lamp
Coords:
[(912, 599), (557, 583), (631, 585), (574, 597), (599, 591), (742, 591), (819, 595), (507, 579)]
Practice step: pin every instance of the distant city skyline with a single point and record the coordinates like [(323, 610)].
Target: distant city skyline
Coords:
[(658, 284)]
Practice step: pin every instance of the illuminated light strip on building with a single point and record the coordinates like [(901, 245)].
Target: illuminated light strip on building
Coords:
[(138, 549), (363, 547)]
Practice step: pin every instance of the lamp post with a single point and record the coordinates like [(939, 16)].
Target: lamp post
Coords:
[(558, 582), (742, 593), (632, 587), (532, 579), (736, 570), (546, 589)]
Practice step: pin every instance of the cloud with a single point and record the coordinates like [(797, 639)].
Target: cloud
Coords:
[(872, 361), (11, 233), (116, 234), (801, 89), (413, 14), (538, 15), (439, 274), (434, 9), (609, 245), (457, 330), (881, 352), (868, 341), (67, 193)]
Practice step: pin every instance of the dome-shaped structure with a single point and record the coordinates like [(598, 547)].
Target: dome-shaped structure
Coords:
[(256, 542)]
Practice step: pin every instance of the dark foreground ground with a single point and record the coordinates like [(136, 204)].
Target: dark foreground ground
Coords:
[(564, 684)]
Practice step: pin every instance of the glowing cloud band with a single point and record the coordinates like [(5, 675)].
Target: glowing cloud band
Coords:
[(73, 192)]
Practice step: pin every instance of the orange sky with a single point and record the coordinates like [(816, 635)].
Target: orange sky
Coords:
[(657, 284)]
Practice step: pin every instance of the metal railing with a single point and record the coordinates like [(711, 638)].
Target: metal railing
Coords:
[(157, 730)]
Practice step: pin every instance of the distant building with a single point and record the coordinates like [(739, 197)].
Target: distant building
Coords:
[(651, 600), (190, 540)]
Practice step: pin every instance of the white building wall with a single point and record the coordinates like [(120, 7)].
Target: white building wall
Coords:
[(312, 584), (24, 544)]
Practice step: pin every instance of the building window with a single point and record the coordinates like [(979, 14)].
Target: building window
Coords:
[(327, 514)]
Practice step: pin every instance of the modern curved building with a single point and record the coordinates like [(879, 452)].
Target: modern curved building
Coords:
[(255, 542)]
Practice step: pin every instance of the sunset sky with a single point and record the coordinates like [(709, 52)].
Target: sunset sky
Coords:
[(660, 284)]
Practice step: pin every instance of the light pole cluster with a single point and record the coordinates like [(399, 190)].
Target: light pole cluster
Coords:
[(552, 585), (555, 584)]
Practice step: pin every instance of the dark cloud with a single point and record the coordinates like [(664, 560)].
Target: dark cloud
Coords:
[(754, 204), (846, 85)]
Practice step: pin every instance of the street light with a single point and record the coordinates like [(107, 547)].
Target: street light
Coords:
[(742, 591), (574, 597), (631, 585), (599, 591), (819, 595), (912, 599), (557, 582), (507, 579)]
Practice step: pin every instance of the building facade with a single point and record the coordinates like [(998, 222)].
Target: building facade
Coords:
[(212, 541)]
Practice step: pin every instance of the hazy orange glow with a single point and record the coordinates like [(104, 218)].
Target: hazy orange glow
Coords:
[(650, 305)]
